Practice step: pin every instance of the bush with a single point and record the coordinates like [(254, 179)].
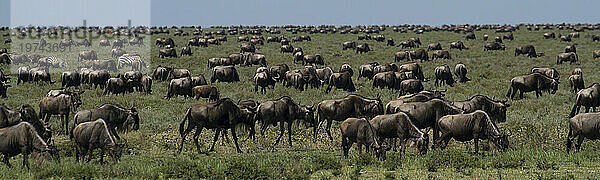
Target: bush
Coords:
[(451, 159)]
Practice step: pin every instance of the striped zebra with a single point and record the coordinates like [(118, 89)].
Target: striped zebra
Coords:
[(52, 62), (134, 60)]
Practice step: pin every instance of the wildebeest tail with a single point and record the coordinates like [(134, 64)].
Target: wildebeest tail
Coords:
[(575, 106), (74, 124), (182, 124), (509, 89)]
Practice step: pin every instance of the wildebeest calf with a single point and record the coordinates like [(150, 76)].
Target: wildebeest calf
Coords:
[(94, 135), (360, 131)]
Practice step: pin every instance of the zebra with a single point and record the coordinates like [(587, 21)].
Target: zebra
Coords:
[(52, 62), (134, 60)]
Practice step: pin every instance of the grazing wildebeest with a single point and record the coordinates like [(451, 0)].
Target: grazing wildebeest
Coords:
[(104, 43), (434, 46), (363, 48), (349, 106), (508, 36), (87, 55), (95, 135), (577, 71), (422, 96), (206, 91), (426, 114), (278, 71), (495, 109), (576, 82), (25, 113), (460, 70), (70, 79), (23, 139), (367, 70), (177, 73), (549, 35), (117, 52), (224, 74), (286, 49), (415, 68), (583, 126), (571, 48), (384, 80), (408, 44), (181, 86), (399, 125), (349, 45), (221, 115), (3, 87), (313, 59), (186, 50), (224, 61), (498, 39), (283, 110), (295, 79), (444, 54), (167, 52), (588, 97), (247, 48), (409, 86), (458, 45), (443, 75), (419, 54), (596, 54), (5, 58), (470, 35), (390, 42), (341, 80), (360, 131), (493, 46), (472, 126), (550, 72), (264, 80), (255, 59), (527, 49), (532, 82), (571, 57), (401, 55), (485, 37), (61, 105), (147, 84), (346, 68), (115, 86), (109, 65), (115, 117), (160, 73), (98, 78), (385, 68), (595, 38)]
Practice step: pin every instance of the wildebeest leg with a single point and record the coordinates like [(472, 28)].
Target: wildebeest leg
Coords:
[(521, 95), (570, 139), (578, 145), (345, 146), (290, 133), (114, 132), (329, 129), (587, 109), (101, 155), (196, 134), (476, 139), (282, 129), (212, 148), (5, 160), (90, 150), (26, 160), (235, 140)]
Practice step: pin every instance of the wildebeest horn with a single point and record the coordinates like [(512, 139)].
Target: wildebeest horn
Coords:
[(125, 142)]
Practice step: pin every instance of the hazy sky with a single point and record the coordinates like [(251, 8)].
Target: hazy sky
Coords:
[(282, 12)]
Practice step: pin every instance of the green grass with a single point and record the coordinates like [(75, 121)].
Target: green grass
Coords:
[(538, 125)]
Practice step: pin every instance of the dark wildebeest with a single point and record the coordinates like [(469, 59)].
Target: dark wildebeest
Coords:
[(367, 70), (177, 73), (415, 68), (527, 49), (596, 54), (472, 126), (390, 42), (286, 49), (98, 78), (116, 86), (95, 135), (3, 77), (409, 86), (264, 80), (160, 73), (577, 71), (493, 46), (87, 55), (571, 57), (346, 68), (583, 126), (384, 80), (278, 71), (399, 125), (532, 82), (255, 59), (419, 54), (588, 97), (360, 131), (408, 44), (61, 105), (283, 110), (313, 59), (576, 82), (550, 72), (221, 115), (363, 48), (295, 79), (349, 45), (385, 68), (498, 39), (70, 79), (470, 36), (347, 107), (247, 48), (23, 139), (444, 54), (40, 74), (571, 48), (434, 46), (147, 84), (224, 61), (422, 96), (401, 55), (5, 58), (3, 87), (460, 70), (426, 114), (26, 113), (495, 109), (167, 52), (549, 35), (133, 79), (458, 45), (117, 52), (341, 80), (181, 86), (508, 36), (104, 43), (324, 74), (109, 65), (206, 91), (114, 116), (443, 75), (237, 58), (595, 38), (224, 74), (186, 50)]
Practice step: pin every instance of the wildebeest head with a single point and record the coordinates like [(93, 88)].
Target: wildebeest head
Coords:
[(553, 86), (133, 118), (51, 153), (308, 114), (28, 114), (422, 144), (76, 98), (116, 151)]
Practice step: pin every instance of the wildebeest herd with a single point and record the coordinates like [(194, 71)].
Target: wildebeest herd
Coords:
[(364, 120)]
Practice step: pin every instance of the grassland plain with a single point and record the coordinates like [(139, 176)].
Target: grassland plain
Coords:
[(538, 125)]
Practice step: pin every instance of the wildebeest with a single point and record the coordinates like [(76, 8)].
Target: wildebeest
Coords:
[(117, 52), (283, 110), (426, 114), (419, 54), (576, 82), (70, 79), (94, 135), (278, 71), (495, 109), (147, 84), (363, 48), (588, 97), (401, 55), (458, 45), (104, 43), (133, 79), (17, 58), (23, 139), (421, 96), (83, 42), (485, 37), (472, 126), (595, 38), (264, 80), (399, 125), (443, 74), (114, 115), (415, 68), (223, 61), (498, 39), (5, 58), (341, 80), (160, 73), (25, 113), (181, 86), (434, 46), (571, 48), (98, 78), (582, 126), (61, 105), (161, 42), (508, 36), (186, 50), (286, 49), (87, 55), (550, 72), (532, 82), (109, 65), (596, 54), (3, 87), (385, 68), (347, 107), (527, 49), (295, 79), (224, 74), (470, 36), (409, 86), (367, 70), (313, 59), (346, 68), (571, 57), (549, 35), (493, 46), (174, 73), (247, 48), (390, 42), (349, 45), (221, 115), (444, 54), (460, 70), (408, 44), (384, 80), (167, 52), (206, 91), (255, 59), (116, 85), (360, 131)]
